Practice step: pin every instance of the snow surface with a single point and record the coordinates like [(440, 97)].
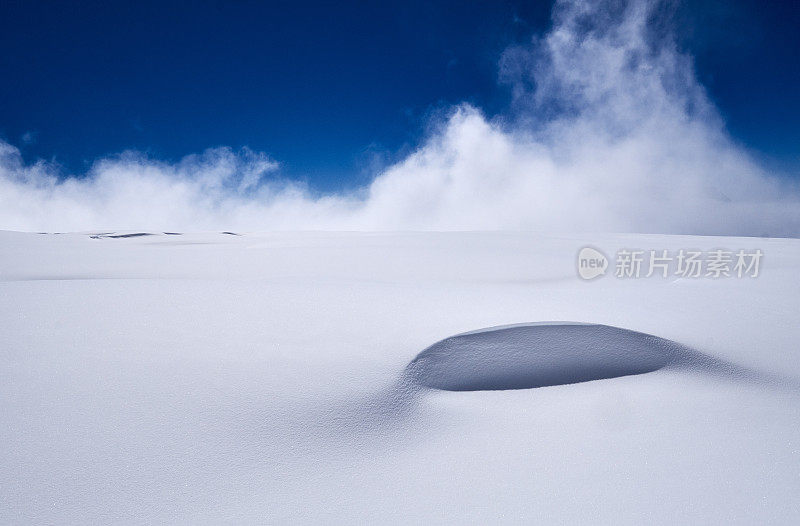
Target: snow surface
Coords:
[(208, 378)]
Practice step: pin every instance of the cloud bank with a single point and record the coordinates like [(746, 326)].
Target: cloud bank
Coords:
[(609, 130)]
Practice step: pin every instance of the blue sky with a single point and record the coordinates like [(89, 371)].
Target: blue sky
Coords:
[(331, 90)]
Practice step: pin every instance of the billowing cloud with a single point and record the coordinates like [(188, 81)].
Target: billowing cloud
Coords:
[(609, 130)]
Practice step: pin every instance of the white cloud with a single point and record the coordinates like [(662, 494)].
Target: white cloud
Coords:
[(28, 137), (609, 131)]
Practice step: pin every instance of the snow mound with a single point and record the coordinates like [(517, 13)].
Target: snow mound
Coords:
[(539, 355)]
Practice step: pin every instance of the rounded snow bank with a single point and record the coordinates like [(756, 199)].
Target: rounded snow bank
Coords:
[(538, 355)]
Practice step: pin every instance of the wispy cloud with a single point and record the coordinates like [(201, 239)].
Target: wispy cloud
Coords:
[(609, 130)]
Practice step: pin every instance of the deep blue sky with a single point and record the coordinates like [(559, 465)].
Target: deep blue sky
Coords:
[(329, 88)]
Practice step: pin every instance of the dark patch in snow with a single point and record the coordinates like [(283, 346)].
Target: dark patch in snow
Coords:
[(120, 236), (558, 353)]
